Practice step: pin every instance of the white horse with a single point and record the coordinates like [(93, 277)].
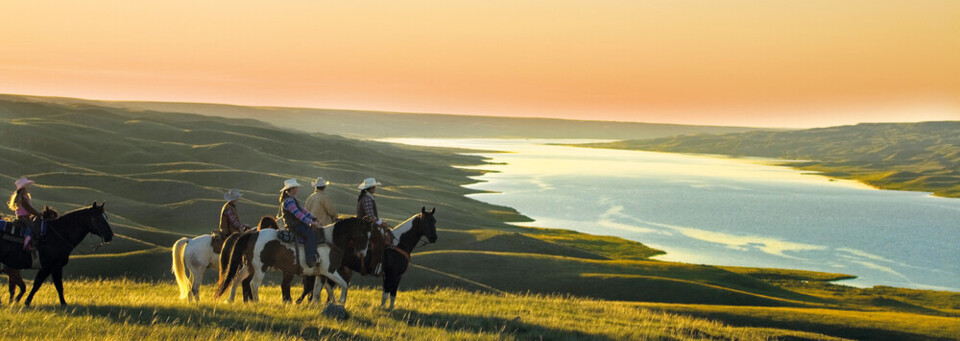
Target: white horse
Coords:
[(254, 252), (197, 255)]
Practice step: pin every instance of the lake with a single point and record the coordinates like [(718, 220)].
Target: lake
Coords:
[(725, 211)]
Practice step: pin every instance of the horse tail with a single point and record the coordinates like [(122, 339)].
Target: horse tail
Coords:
[(230, 261), (178, 268), (225, 252)]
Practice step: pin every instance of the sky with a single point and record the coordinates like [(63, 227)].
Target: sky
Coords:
[(733, 62)]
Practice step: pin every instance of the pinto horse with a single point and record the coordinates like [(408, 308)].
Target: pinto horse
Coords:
[(196, 255), (14, 279), (247, 256), (63, 235), (396, 257)]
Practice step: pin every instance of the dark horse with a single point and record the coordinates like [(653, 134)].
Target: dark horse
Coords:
[(249, 254), (63, 235), (15, 280), (396, 257)]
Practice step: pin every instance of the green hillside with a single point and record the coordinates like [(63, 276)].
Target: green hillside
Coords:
[(377, 124), (921, 156), (163, 176)]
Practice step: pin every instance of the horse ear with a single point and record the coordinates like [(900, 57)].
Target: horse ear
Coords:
[(423, 209), (94, 204), (434, 210), (102, 204)]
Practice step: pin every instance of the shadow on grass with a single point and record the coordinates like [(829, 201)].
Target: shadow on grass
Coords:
[(492, 325), (203, 317)]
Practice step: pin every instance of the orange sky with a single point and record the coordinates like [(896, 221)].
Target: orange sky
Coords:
[(761, 63)]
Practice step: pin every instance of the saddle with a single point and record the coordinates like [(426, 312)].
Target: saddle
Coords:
[(218, 239), (14, 231)]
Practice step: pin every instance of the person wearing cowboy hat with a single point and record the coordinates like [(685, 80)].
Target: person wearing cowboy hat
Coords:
[(229, 219), (20, 204), (295, 218), (320, 205), (366, 203)]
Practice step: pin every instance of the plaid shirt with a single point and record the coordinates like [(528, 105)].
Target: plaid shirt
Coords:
[(366, 206), (291, 206)]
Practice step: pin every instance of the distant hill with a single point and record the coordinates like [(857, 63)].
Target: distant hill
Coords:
[(921, 156), (376, 124)]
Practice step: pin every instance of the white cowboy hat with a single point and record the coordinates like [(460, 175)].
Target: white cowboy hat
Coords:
[(367, 183), (289, 183), (233, 194), (23, 182), (321, 182)]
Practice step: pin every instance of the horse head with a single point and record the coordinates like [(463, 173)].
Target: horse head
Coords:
[(428, 224), (49, 213), (97, 222), (268, 222)]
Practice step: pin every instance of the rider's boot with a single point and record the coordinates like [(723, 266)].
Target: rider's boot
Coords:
[(26, 243)]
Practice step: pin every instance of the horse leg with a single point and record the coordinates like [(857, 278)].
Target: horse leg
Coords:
[(241, 275), (393, 290), (285, 287), (340, 282), (197, 273), (10, 284), (308, 283), (41, 276), (255, 284), (58, 283), (245, 287), (328, 287), (15, 276)]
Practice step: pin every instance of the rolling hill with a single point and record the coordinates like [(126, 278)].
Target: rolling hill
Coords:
[(376, 124), (922, 156), (162, 175)]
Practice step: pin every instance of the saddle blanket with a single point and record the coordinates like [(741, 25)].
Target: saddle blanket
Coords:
[(12, 229), (288, 236)]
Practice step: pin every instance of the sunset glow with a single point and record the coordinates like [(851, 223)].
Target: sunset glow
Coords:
[(761, 63)]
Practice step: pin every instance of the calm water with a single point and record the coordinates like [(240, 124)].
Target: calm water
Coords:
[(727, 211)]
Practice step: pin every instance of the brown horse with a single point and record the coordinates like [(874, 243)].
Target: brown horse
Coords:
[(14, 278), (251, 253), (396, 257)]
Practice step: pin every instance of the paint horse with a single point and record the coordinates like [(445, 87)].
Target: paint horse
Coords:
[(14, 279), (396, 257), (197, 255), (63, 235), (249, 255)]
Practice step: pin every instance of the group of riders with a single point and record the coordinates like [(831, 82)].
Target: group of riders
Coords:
[(304, 219), (307, 218)]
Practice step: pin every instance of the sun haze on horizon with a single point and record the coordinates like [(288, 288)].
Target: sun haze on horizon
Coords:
[(752, 63)]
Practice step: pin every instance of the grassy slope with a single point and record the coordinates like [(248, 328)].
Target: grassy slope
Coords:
[(147, 310), (921, 156), (365, 124), (163, 175)]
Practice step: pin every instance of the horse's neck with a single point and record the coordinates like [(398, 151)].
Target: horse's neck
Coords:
[(67, 226), (408, 239), (402, 229)]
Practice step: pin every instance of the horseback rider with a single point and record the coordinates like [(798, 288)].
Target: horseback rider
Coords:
[(320, 205), (20, 203), (366, 203), (367, 210), (295, 218), (229, 219)]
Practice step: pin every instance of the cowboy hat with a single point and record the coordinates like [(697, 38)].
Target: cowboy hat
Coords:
[(367, 183), (321, 182), (289, 183), (23, 182), (233, 194)]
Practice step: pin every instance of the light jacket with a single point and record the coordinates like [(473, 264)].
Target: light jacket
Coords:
[(320, 205)]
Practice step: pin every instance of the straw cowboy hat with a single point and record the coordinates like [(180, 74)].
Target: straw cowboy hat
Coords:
[(23, 182), (321, 182), (233, 194), (367, 183), (289, 183)]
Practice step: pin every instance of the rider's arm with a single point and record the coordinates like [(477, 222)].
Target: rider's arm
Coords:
[(329, 209), (303, 216), (25, 203)]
